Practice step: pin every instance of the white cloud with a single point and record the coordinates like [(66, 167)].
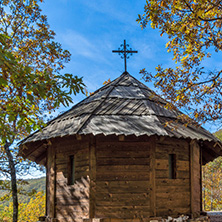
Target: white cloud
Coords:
[(80, 45)]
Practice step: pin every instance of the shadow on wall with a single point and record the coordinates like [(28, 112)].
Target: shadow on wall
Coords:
[(72, 201)]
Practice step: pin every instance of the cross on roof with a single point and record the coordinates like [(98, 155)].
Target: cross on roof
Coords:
[(125, 51)]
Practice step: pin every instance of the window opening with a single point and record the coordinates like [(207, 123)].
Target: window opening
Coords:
[(172, 166), (72, 170)]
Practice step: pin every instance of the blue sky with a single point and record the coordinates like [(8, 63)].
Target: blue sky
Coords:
[(90, 30)]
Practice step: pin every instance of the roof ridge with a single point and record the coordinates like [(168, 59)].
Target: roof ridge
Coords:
[(111, 89), (107, 85)]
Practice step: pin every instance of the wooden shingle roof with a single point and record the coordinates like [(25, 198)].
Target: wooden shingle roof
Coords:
[(125, 106)]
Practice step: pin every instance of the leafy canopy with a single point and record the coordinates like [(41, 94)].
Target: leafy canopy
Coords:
[(27, 211), (194, 31), (31, 81), (31, 62)]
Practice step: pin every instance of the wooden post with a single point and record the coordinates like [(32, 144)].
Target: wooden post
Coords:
[(51, 177), (195, 178), (92, 168), (201, 184), (152, 177), (46, 184), (191, 177)]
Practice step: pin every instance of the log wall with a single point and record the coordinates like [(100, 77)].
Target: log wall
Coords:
[(172, 195), (122, 179), (72, 201)]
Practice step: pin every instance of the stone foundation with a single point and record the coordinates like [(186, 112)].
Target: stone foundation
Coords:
[(215, 216)]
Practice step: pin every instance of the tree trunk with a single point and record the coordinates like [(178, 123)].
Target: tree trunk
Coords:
[(13, 181)]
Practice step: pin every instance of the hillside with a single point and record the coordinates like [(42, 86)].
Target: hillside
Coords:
[(218, 134), (37, 184)]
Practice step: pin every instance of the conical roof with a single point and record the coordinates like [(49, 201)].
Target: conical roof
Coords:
[(125, 106)]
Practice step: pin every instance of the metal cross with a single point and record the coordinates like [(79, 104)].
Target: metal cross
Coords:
[(125, 52)]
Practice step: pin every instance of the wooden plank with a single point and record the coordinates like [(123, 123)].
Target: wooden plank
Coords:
[(182, 202), (70, 147), (183, 165), (162, 164), (169, 141), (171, 195), (152, 177), (123, 153), (183, 156), (78, 190), (123, 186), (81, 168), (92, 175), (51, 181), (82, 163), (123, 199), (172, 146), (122, 161), (123, 168), (183, 174), (164, 174), (172, 182), (127, 212), (72, 211), (122, 176), (113, 143), (123, 146), (64, 200), (81, 154), (173, 189), (78, 169), (80, 175)]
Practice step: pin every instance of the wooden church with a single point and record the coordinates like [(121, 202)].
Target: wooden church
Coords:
[(111, 158)]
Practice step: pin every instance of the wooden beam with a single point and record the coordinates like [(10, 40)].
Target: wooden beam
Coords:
[(78, 137), (195, 178), (121, 137), (46, 186), (201, 184), (162, 138), (152, 177), (92, 168), (28, 151), (49, 143), (191, 177), (51, 177), (40, 157)]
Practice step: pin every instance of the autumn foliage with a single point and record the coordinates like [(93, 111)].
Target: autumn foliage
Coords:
[(32, 82), (212, 185), (27, 211), (193, 28)]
